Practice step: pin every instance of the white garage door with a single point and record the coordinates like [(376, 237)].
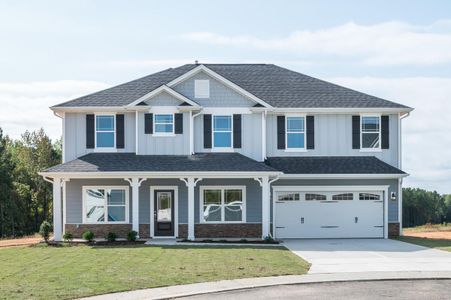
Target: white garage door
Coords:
[(319, 214)]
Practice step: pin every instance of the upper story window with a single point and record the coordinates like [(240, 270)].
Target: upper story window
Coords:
[(295, 133), (163, 124), (201, 88), (222, 131), (371, 132), (105, 131)]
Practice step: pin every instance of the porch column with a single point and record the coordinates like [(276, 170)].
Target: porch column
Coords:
[(57, 214), (191, 184), (135, 183), (266, 210)]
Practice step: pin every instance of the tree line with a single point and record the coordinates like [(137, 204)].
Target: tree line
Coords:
[(25, 197)]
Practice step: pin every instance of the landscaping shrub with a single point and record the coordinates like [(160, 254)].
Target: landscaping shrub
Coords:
[(44, 231), (68, 237), (88, 236), (131, 236), (111, 237)]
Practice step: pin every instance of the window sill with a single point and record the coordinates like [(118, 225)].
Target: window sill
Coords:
[(225, 222), (100, 150), (163, 135), (370, 150), (222, 150), (105, 223), (295, 150)]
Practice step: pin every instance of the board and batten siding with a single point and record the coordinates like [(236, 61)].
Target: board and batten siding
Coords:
[(251, 136), (333, 137), (75, 135), (220, 94), (163, 145)]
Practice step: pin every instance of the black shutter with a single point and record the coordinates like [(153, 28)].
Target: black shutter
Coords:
[(178, 123), (207, 131), (385, 132), (310, 132), (90, 131), (120, 129), (148, 123), (280, 132), (236, 131), (355, 132)]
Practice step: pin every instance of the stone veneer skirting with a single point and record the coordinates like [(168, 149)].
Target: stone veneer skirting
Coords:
[(393, 229), (101, 230), (244, 230)]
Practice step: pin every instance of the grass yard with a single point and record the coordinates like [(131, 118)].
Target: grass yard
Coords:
[(431, 243), (41, 272)]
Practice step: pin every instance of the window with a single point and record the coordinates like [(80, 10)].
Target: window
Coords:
[(346, 196), (315, 197), (201, 88), (370, 132), (105, 133), (369, 196), (105, 204), (288, 196), (223, 204), (163, 124), (295, 132), (222, 131)]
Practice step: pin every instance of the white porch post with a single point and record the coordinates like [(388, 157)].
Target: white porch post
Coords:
[(190, 184), (135, 183), (266, 211), (57, 213)]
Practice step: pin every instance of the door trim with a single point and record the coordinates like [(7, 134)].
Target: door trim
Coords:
[(328, 188), (176, 209)]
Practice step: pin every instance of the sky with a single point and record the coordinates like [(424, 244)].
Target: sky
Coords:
[(54, 51)]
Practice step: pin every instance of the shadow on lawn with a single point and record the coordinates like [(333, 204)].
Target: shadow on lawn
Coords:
[(187, 247)]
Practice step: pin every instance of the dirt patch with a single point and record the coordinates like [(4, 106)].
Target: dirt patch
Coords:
[(436, 235), (29, 240)]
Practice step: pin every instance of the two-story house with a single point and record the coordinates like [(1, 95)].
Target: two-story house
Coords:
[(229, 151)]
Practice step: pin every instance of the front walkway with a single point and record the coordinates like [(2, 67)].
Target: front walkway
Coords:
[(367, 255)]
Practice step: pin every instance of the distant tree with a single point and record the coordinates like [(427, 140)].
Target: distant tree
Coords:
[(6, 188), (421, 207)]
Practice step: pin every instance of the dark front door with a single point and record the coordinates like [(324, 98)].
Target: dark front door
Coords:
[(164, 212)]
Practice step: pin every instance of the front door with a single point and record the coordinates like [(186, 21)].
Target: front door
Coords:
[(164, 212)]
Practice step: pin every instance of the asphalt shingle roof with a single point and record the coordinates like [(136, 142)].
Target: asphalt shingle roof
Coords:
[(275, 85), (130, 162), (331, 165)]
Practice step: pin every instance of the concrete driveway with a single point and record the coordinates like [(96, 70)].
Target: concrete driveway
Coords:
[(367, 255)]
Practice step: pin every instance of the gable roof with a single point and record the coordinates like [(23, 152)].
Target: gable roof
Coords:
[(276, 86)]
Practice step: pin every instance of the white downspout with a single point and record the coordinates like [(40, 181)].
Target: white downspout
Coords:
[(400, 167)]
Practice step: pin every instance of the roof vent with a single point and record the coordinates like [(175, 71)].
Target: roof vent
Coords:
[(196, 62)]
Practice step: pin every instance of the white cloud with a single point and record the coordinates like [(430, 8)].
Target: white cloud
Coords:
[(388, 43), (426, 132), (25, 106)]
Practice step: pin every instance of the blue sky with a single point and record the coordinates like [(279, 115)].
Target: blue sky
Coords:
[(52, 51)]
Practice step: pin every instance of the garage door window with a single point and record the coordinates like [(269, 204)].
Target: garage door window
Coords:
[(223, 204), (288, 196), (315, 197), (345, 196), (369, 196)]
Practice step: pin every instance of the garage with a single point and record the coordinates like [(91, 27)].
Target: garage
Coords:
[(329, 212)]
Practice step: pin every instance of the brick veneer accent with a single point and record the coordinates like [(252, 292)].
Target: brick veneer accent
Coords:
[(393, 229), (144, 231), (244, 230), (99, 230)]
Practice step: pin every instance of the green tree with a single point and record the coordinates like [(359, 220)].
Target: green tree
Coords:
[(6, 187), (421, 207)]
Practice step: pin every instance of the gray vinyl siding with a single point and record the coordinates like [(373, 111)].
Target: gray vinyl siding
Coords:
[(74, 197), (158, 145), (392, 183), (251, 136), (75, 135), (333, 137), (220, 95), (163, 99)]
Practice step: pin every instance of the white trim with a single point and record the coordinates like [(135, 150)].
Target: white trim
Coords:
[(163, 134), (163, 88), (379, 148), (136, 132), (175, 188), (400, 205), (296, 115), (105, 149), (263, 135), (218, 77), (63, 139), (107, 187), (227, 110), (221, 149), (202, 188), (157, 174), (335, 110), (342, 176)]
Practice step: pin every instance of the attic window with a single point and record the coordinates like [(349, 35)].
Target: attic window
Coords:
[(201, 89)]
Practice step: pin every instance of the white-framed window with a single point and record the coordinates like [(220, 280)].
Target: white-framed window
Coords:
[(295, 132), (222, 131), (202, 88), (163, 124), (369, 196), (105, 135), (288, 196), (223, 204), (370, 132), (105, 204), (315, 197), (343, 196)]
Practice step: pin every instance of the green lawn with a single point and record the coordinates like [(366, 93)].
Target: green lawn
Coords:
[(431, 243), (42, 272)]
